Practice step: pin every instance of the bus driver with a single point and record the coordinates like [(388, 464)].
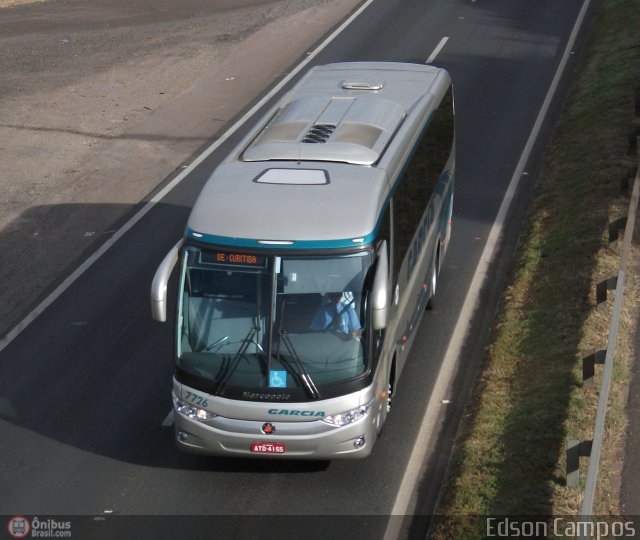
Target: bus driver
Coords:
[(338, 314)]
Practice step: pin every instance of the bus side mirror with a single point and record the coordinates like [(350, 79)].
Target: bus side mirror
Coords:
[(159, 284), (380, 292)]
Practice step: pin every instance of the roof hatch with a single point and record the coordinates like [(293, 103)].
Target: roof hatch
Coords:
[(350, 129), (362, 84)]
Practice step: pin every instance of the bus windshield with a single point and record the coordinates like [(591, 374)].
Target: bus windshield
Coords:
[(261, 324)]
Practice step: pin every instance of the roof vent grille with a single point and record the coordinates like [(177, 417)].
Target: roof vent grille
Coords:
[(319, 133), (362, 85)]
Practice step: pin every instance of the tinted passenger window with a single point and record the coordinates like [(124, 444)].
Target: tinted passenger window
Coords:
[(421, 176)]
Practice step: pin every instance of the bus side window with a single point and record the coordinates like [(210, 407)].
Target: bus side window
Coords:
[(418, 183), (409, 203), (439, 139)]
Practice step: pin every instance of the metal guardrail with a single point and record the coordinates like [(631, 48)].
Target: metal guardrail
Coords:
[(594, 461), (592, 448)]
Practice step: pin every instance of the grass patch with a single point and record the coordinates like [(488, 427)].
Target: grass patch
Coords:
[(510, 454)]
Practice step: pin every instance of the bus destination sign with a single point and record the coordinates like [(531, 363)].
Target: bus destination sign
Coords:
[(236, 259)]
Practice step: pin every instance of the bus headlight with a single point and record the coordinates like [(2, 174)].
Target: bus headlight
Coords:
[(190, 411), (351, 416)]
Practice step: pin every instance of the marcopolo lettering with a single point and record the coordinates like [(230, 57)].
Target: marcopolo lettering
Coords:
[(295, 412), (267, 396)]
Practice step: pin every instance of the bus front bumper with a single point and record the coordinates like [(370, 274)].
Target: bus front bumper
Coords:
[(289, 440)]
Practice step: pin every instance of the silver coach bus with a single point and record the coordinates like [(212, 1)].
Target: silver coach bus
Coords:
[(307, 262)]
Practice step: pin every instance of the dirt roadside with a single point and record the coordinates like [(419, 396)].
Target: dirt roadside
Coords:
[(90, 86)]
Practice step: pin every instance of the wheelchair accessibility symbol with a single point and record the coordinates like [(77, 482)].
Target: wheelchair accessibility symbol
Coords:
[(277, 379)]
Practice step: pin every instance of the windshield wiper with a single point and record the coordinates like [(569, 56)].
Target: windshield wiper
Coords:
[(302, 371), (231, 366), (216, 343)]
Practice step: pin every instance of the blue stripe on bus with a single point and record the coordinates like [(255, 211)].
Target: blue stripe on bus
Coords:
[(295, 244)]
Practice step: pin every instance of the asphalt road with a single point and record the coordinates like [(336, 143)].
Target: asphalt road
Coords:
[(85, 389)]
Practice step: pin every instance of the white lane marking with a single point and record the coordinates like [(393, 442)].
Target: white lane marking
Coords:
[(437, 50), (60, 289), (405, 499), (168, 421)]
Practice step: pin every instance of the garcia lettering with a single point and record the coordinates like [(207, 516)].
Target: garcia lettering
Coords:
[(296, 412)]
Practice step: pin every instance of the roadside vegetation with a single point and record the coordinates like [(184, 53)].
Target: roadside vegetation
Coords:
[(510, 453)]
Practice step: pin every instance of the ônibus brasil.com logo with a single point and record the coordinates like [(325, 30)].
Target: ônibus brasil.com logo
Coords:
[(19, 527)]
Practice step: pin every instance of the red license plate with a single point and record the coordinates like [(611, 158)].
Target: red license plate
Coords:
[(267, 448)]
